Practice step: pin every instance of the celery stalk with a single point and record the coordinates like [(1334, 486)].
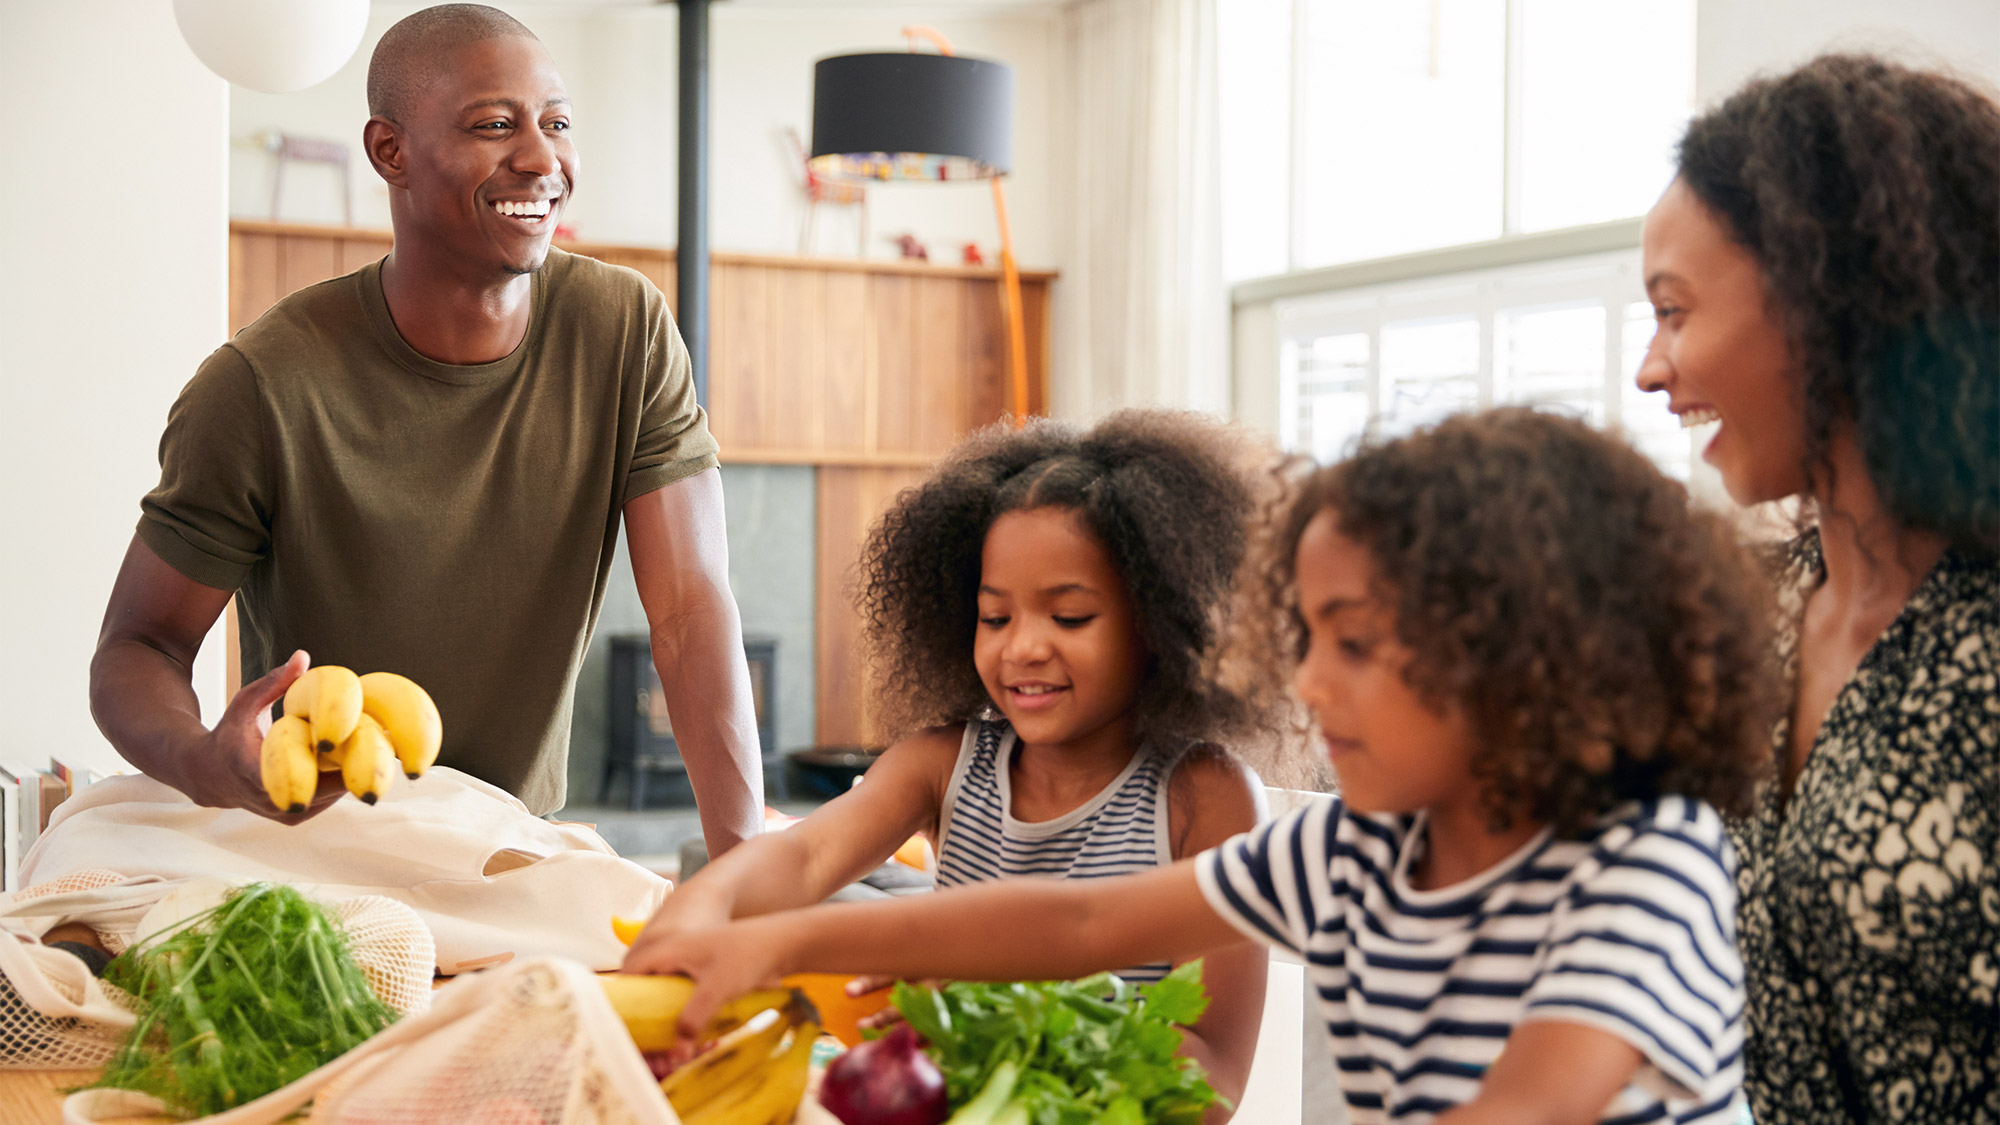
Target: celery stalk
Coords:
[(986, 1108)]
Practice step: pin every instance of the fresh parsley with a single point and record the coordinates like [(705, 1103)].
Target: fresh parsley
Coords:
[(1065, 1053)]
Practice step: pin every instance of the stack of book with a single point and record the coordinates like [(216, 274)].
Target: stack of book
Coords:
[(27, 798)]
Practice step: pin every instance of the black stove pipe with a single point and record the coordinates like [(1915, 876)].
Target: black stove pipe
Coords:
[(691, 252)]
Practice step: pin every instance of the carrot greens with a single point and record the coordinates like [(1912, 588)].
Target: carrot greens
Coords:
[(240, 1000)]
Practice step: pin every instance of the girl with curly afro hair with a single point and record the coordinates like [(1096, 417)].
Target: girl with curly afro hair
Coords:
[(1826, 274), (1537, 672), (1042, 611)]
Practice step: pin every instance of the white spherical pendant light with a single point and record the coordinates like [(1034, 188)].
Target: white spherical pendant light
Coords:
[(276, 46)]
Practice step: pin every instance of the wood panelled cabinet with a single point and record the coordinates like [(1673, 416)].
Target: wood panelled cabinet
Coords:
[(866, 370)]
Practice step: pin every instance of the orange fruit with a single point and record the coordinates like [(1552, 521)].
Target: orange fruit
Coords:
[(915, 852), (839, 1014), (627, 929)]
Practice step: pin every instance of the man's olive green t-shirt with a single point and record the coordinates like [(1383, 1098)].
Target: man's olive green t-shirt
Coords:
[(455, 524)]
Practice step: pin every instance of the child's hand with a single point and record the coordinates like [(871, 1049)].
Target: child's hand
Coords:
[(871, 982), (686, 910), (889, 1016), (725, 962)]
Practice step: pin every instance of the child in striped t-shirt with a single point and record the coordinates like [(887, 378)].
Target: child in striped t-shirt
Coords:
[(1040, 610), (1537, 674)]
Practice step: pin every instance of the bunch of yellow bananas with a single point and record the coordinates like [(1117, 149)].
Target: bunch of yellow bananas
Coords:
[(754, 1074), (362, 726)]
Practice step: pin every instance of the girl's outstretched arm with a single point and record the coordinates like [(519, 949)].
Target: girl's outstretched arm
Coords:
[(1012, 929), (841, 841)]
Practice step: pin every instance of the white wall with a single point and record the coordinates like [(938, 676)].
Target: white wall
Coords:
[(113, 286), (1256, 351), (619, 64), (1735, 39)]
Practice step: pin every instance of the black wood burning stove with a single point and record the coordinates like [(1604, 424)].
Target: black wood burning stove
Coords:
[(641, 733)]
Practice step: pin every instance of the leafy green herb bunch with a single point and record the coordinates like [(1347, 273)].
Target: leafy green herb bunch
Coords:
[(1067, 1053), (240, 1000)]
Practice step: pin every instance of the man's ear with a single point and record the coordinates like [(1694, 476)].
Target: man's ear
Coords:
[(382, 140)]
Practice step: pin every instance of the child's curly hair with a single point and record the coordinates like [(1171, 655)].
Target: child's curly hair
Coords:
[(1168, 495), (1606, 640)]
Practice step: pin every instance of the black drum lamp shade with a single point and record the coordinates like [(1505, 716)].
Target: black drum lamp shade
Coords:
[(914, 116), (910, 116)]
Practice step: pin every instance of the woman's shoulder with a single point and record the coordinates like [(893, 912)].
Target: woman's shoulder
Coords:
[(1963, 594), (1943, 658)]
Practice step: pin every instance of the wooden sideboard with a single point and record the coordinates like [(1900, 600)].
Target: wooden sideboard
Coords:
[(865, 370)]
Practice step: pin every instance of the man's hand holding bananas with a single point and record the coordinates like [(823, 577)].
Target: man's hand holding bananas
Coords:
[(368, 728)]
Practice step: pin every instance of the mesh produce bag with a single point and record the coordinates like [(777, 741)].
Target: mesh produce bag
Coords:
[(392, 947), (55, 1015), (528, 1042)]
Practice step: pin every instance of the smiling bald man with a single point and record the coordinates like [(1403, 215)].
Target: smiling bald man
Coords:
[(422, 467)]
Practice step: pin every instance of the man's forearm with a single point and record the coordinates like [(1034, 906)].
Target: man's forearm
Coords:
[(768, 874), (144, 702), (698, 652)]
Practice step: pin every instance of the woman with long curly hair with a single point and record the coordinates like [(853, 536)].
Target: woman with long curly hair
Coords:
[(1538, 674), (1825, 270), (1041, 611)]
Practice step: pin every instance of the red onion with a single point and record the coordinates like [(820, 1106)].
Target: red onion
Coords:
[(886, 1082), (663, 1063)]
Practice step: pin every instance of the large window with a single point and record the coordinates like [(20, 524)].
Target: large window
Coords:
[(1401, 142), (1564, 336), (1426, 195), (1358, 129)]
